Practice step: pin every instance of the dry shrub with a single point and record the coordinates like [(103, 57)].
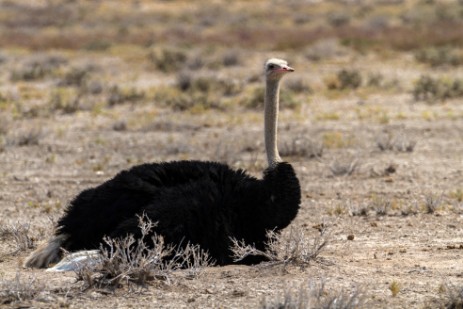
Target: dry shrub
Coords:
[(325, 49), (19, 233), (345, 79), (453, 298), (195, 101), (119, 95), (315, 295), (432, 202), (65, 100), (140, 261), (76, 76), (431, 89), (298, 85), (345, 167), (19, 290), (381, 205), (192, 83), (301, 146), (399, 143), (168, 59), (231, 58), (28, 137), (440, 56), (38, 67), (291, 247), (5, 123)]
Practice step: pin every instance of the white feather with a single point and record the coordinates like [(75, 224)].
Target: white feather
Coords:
[(77, 260)]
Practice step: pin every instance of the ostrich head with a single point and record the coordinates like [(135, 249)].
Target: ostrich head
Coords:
[(276, 68)]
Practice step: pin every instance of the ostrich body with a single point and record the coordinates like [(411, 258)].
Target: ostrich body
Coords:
[(203, 203)]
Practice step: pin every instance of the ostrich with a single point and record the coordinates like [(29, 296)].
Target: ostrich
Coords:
[(197, 202)]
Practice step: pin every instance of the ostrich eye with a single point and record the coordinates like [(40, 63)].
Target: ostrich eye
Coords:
[(271, 66)]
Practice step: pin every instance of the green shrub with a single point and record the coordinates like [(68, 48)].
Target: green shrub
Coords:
[(299, 85), (193, 100), (186, 81), (344, 79), (38, 68), (118, 95), (168, 59), (349, 79), (438, 56), (75, 77), (432, 89)]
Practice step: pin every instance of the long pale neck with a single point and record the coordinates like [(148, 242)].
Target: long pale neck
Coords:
[(271, 121)]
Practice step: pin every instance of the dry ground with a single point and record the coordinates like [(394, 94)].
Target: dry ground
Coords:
[(386, 180)]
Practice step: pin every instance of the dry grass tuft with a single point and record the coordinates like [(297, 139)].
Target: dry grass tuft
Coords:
[(19, 290), (345, 168), (39, 67), (30, 137), (394, 287), (301, 146), (315, 295), (400, 143), (440, 56), (453, 298), (433, 90), (345, 79), (291, 247), (432, 202), (381, 205), (168, 59), (19, 234)]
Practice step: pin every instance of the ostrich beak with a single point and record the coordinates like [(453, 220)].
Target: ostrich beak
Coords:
[(287, 68)]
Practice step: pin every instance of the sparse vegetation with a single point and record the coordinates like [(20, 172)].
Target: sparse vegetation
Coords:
[(301, 146), (439, 56), (231, 58), (399, 142), (289, 248), (345, 79), (38, 68), (75, 77), (316, 295), (168, 59), (30, 137), (394, 287), (381, 205), (299, 85), (432, 89), (343, 168), (119, 96), (19, 234), (19, 289), (432, 202), (336, 139), (129, 260), (457, 195), (453, 296)]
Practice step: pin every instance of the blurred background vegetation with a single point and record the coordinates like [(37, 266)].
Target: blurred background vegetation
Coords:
[(64, 56)]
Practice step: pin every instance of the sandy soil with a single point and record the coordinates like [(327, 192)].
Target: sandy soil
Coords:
[(395, 239)]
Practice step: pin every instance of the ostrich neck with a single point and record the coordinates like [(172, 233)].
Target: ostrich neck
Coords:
[(271, 121)]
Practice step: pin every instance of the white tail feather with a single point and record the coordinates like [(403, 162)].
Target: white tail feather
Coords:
[(77, 260)]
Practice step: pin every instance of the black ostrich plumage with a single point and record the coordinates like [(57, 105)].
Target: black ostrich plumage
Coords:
[(204, 203)]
